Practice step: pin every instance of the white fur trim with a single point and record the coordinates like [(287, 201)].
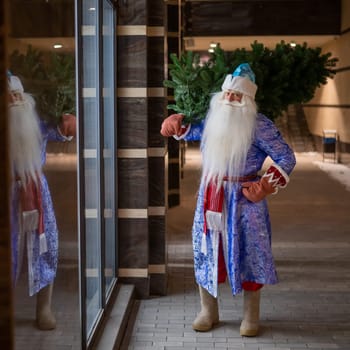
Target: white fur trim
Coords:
[(181, 137), (204, 244), (42, 243), (15, 84), (30, 220), (66, 138), (214, 220), (283, 173), (240, 84), (270, 177), (214, 224)]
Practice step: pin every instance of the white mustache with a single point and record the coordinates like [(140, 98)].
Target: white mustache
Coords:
[(233, 103), (17, 103)]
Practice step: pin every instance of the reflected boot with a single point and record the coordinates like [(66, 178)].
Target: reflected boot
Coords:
[(45, 319), (250, 323), (209, 314)]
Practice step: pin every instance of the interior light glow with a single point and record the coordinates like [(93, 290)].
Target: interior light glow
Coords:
[(293, 44), (57, 46)]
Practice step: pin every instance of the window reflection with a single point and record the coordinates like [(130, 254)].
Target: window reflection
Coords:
[(41, 52)]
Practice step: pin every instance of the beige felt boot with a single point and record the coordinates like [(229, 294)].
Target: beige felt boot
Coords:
[(209, 314), (250, 323), (44, 317)]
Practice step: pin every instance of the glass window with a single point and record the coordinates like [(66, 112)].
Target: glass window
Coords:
[(40, 50), (67, 63), (109, 143), (96, 86)]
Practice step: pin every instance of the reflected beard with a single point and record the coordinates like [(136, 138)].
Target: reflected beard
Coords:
[(227, 138), (25, 141)]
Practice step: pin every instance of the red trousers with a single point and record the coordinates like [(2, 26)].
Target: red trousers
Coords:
[(222, 273)]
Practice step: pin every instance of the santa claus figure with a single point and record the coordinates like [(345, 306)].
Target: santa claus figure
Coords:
[(33, 223), (231, 229)]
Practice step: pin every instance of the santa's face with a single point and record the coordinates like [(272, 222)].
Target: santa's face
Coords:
[(228, 134), (231, 96), (15, 98)]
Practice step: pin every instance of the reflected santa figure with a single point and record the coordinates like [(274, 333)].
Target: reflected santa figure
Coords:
[(34, 229)]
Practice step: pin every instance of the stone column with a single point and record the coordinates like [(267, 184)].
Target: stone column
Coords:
[(141, 152), (173, 46), (156, 147)]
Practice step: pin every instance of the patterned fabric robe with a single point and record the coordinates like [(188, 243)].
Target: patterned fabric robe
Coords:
[(41, 267), (246, 236)]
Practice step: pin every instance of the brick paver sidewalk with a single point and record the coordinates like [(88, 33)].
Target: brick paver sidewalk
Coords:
[(308, 309)]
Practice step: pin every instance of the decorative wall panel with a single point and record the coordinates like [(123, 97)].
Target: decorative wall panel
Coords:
[(141, 149), (302, 17)]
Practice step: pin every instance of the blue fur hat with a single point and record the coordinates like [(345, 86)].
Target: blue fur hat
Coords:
[(241, 80), (244, 70)]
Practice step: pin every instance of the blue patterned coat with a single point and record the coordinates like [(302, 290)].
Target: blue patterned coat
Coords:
[(247, 234), (41, 268)]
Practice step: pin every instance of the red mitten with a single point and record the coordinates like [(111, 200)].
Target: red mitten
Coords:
[(274, 178), (172, 125), (256, 191), (68, 125)]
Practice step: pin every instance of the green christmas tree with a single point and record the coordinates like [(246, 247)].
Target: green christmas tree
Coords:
[(285, 75)]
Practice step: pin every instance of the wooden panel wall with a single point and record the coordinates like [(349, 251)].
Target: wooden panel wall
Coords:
[(141, 150), (47, 16), (173, 47), (277, 17)]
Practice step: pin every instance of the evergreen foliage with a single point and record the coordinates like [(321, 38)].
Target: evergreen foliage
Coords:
[(285, 75), (49, 78)]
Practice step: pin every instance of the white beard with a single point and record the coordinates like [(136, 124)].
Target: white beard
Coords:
[(25, 140), (227, 137)]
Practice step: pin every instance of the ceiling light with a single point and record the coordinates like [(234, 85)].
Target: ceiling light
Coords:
[(213, 44), (211, 50), (293, 44), (57, 46)]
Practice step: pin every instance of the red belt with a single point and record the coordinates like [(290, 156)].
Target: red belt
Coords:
[(214, 197), (240, 178)]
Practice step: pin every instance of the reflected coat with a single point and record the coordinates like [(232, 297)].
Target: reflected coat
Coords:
[(41, 267)]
